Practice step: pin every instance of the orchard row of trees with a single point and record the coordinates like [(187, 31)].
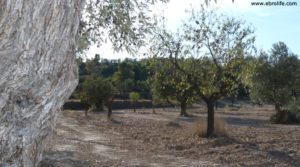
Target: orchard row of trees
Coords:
[(211, 57), (266, 78)]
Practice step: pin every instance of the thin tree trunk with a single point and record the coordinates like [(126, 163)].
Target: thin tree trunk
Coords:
[(153, 109), (109, 112), (232, 101), (134, 108), (183, 106), (210, 118), (38, 73), (86, 109), (279, 113)]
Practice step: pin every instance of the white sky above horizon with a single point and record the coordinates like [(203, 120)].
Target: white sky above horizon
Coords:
[(271, 23)]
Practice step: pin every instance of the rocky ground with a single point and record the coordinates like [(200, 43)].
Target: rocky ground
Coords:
[(165, 139)]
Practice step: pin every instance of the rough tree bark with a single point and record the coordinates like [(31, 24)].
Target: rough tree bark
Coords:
[(38, 73)]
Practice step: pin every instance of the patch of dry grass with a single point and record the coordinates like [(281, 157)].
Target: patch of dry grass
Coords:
[(199, 128), (72, 114), (228, 108)]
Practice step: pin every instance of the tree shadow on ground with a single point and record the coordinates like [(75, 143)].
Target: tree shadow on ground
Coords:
[(189, 119), (61, 159), (251, 122), (279, 155), (115, 121), (284, 156), (289, 157)]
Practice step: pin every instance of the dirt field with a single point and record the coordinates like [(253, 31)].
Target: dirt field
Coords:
[(165, 139)]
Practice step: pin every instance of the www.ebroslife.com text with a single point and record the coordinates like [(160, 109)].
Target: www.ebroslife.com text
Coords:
[(274, 3)]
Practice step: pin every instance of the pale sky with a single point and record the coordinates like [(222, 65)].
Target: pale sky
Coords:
[(271, 23)]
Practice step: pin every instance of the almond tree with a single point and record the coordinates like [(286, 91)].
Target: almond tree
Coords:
[(170, 85), (217, 45)]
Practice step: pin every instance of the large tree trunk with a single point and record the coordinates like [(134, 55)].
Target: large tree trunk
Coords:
[(38, 73), (210, 118)]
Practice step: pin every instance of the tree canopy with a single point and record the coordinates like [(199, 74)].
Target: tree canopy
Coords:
[(123, 22)]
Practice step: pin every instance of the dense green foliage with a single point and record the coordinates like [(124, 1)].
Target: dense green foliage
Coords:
[(170, 85), (97, 92)]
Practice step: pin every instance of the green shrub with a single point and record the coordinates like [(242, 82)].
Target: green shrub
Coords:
[(294, 109), (298, 117)]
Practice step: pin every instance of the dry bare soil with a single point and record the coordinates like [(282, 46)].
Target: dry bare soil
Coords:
[(165, 139)]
